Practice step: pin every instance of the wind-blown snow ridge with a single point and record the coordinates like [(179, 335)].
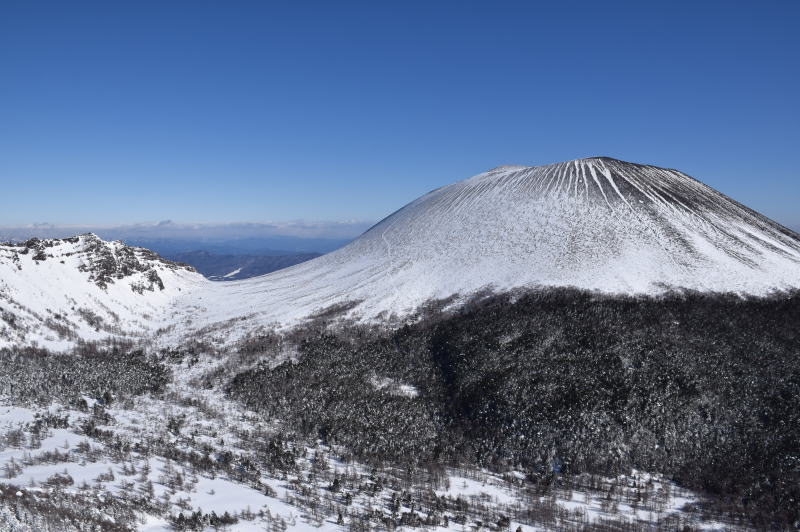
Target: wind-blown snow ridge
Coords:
[(598, 223)]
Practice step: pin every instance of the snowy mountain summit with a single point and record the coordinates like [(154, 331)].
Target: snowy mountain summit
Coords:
[(597, 224)]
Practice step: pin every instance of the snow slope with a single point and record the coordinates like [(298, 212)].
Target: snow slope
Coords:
[(597, 223), (57, 291)]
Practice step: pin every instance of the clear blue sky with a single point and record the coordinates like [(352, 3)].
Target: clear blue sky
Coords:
[(118, 112)]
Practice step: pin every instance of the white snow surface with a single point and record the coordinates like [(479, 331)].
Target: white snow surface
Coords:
[(95, 470), (234, 272), (598, 224), (53, 299)]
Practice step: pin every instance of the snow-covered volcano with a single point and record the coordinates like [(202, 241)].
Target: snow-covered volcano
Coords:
[(598, 224)]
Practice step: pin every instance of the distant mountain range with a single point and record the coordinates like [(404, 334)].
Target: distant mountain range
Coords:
[(167, 237), (261, 246), (236, 267)]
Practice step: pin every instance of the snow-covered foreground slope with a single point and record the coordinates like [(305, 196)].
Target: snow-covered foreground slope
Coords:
[(65, 467), (598, 224)]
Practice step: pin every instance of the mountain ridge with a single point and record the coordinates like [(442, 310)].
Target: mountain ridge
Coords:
[(58, 292), (231, 267), (597, 224)]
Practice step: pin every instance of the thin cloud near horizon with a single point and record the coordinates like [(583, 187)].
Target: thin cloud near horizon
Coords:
[(168, 229)]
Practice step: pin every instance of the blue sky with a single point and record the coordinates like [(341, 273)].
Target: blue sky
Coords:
[(120, 112)]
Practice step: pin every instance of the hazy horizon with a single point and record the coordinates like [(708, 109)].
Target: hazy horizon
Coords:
[(233, 238), (233, 230)]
